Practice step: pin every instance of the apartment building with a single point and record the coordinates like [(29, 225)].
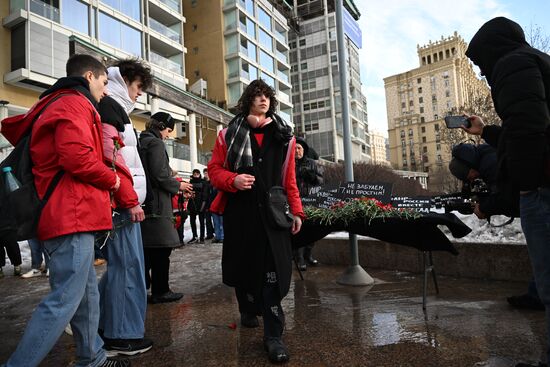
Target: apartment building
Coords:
[(316, 80), (232, 42), (40, 35), (378, 148), (417, 101)]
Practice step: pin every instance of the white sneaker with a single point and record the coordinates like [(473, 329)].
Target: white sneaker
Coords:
[(32, 273), (48, 273), (68, 329)]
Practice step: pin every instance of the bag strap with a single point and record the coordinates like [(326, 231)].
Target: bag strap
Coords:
[(59, 174)]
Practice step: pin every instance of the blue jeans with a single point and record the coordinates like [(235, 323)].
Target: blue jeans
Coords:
[(122, 286), (218, 226), (74, 297), (535, 221), (37, 250)]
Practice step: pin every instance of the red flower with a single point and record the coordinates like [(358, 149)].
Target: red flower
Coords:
[(117, 141)]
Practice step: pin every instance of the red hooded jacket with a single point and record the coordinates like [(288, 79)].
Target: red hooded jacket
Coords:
[(67, 136)]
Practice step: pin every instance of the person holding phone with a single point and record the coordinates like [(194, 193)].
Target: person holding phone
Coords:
[(519, 77)]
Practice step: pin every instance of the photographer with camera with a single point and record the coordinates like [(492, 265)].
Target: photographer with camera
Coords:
[(476, 167), (197, 205), (473, 163)]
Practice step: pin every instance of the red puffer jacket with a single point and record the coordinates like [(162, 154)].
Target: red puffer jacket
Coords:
[(67, 136)]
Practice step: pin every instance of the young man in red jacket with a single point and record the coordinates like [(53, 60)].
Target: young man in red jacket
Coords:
[(67, 137)]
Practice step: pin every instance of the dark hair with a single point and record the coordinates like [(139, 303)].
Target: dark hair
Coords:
[(256, 88), (196, 170), (154, 124), (132, 69), (79, 64)]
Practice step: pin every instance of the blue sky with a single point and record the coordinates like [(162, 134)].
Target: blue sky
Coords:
[(393, 28)]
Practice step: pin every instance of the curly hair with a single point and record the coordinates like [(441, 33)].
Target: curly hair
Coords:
[(134, 68), (256, 88)]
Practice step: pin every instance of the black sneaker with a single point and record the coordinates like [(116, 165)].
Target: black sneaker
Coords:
[(116, 362), (249, 320), (192, 240), (276, 350), (166, 297), (210, 237), (526, 302), (126, 347)]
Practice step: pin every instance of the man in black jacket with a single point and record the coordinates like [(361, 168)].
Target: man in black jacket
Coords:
[(197, 205), (308, 174), (519, 76)]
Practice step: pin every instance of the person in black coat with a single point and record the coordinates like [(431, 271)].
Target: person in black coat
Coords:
[(158, 232), (210, 195), (253, 155), (519, 77), (308, 174), (197, 205)]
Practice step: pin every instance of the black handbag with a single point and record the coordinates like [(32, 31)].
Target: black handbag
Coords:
[(278, 210)]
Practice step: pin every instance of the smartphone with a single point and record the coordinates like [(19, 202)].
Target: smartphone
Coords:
[(454, 122)]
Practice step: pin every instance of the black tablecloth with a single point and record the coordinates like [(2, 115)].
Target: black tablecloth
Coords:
[(421, 233)]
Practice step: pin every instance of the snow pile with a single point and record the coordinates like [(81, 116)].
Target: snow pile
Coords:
[(483, 232)]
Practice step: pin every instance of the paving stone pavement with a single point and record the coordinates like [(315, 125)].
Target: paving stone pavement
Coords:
[(467, 324)]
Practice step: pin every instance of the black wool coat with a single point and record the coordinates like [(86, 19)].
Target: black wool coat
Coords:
[(251, 245), (157, 230)]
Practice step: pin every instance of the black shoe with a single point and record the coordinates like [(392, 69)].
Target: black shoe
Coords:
[(209, 237), (526, 302), (192, 240), (249, 320), (302, 267), (276, 350), (201, 241), (311, 261), (217, 241), (127, 347), (531, 365), (166, 297), (116, 362)]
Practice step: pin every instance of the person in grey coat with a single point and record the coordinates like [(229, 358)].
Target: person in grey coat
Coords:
[(158, 231)]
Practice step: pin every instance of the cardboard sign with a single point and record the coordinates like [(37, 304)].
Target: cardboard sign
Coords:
[(380, 191), (419, 203)]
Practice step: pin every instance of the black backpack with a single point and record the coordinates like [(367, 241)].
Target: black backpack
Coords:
[(20, 210)]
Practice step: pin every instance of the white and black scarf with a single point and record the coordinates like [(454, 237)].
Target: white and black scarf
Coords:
[(237, 139)]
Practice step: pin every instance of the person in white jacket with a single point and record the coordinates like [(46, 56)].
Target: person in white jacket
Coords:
[(122, 287)]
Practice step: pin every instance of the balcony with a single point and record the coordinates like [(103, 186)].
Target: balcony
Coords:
[(45, 10), (282, 76), (281, 56), (164, 30), (280, 37), (283, 97), (165, 63), (285, 116), (172, 4)]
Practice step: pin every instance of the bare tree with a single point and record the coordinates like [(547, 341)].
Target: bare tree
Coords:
[(537, 38)]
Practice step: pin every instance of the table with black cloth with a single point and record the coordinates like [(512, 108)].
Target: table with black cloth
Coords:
[(421, 233)]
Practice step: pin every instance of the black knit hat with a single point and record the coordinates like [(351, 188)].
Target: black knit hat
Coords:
[(165, 118), (459, 169)]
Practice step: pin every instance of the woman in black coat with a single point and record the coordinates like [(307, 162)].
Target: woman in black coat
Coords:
[(158, 232)]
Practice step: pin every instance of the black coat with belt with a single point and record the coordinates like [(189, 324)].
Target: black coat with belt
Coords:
[(157, 229)]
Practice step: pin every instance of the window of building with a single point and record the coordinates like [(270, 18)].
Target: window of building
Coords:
[(266, 40), (130, 8), (410, 132), (266, 61), (438, 147), (419, 89), (193, 3), (269, 80), (302, 42), (253, 71), (422, 119), (436, 117), (194, 27), (446, 82), (303, 66), (447, 93), (333, 58), (436, 127), (421, 109), (249, 5), (75, 16), (411, 103), (195, 50), (424, 149), (445, 74), (421, 100), (423, 139), (197, 73), (120, 35), (402, 133), (423, 129), (419, 80), (403, 105), (265, 18)]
